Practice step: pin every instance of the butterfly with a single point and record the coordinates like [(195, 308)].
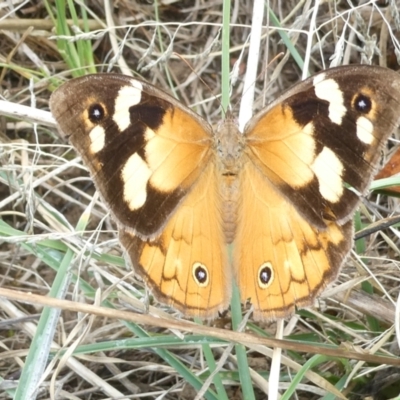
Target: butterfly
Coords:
[(282, 194)]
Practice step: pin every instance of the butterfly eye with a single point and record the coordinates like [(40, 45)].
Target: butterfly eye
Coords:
[(265, 275), (362, 104), (96, 113)]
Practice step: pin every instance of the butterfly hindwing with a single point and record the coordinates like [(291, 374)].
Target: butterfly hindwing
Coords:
[(186, 266), (292, 259)]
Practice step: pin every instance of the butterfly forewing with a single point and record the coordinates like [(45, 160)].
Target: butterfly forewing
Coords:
[(326, 137), (143, 151)]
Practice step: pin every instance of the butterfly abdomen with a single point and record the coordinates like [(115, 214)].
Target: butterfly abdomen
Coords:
[(230, 194), (229, 144)]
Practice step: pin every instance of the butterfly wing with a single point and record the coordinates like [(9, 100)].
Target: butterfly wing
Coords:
[(186, 267), (143, 149), (151, 160), (291, 260), (307, 156)]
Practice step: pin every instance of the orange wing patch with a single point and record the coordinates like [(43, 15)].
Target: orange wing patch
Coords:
[(177, 150), (277, 133)]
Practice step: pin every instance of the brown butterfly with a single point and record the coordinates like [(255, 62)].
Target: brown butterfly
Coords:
[(283, 192)]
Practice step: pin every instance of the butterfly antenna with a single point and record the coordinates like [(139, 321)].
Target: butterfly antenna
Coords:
[(279, 55), (258, 77)]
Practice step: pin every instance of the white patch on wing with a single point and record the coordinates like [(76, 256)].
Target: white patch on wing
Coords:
[(128, 96), (329, 90), (328, 169), (319, 78), (97, 138), (149, 134), (365, 130), (135, 176)]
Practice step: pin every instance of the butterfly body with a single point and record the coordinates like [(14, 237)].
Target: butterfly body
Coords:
[(229, 144), (279, 192)]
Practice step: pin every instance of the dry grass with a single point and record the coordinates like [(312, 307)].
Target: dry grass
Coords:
[(48, 244)]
